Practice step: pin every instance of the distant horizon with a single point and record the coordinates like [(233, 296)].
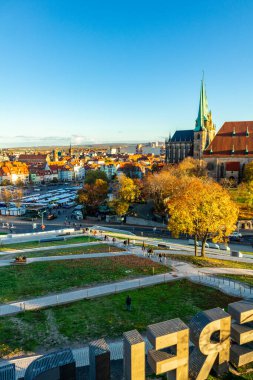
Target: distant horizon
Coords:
[(93, 72), (115, 143)]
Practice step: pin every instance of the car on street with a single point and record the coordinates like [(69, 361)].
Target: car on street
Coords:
[(51, 216), (198, 243), (236, 234), (213, 245)]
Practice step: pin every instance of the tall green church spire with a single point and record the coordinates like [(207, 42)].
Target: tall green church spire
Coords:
[(203, 114)]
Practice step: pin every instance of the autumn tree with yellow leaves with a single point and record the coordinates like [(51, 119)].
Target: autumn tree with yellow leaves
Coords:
[(128, 191), (162, 185), (203, 209)]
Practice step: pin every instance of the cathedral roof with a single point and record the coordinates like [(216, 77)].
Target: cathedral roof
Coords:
[(185, 135), (235, 138), (204, 119)]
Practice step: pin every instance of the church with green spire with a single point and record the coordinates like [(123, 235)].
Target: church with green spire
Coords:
[(192, 143), (204, 131)]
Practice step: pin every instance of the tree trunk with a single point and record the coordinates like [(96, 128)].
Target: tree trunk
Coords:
[(195, 246), (203, 252)]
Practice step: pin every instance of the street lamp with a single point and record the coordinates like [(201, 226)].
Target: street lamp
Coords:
[(42, 217)]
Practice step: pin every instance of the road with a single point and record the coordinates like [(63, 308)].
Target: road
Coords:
[(24, 226)]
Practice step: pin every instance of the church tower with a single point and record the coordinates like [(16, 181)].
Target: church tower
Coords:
[(70, 150), (204, 131)]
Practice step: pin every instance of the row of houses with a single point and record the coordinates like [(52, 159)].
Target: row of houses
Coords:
[(37, 168), (15, 172)]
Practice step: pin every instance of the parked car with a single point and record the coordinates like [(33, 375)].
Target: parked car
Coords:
[(51, 216), (224, 247), (213, 245), (236, 235), (198, 243)]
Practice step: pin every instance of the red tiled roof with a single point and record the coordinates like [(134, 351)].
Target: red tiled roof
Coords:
[(32, 157), (232, 137)]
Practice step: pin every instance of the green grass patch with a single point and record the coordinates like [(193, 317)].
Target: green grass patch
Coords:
[(37, 244), (107, 317), (89, 249), (209, 262), (36, 279)]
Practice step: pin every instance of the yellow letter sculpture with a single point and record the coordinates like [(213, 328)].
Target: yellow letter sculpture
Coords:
[(241, 332), (210, 332), (134, 356), (166, 334)]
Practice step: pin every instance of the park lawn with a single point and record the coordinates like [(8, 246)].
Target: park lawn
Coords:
[(83, 321), (89, 249), (209, 262), (37, 244), (36, 279)]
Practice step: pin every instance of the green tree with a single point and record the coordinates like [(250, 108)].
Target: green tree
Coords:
[(93, 175)]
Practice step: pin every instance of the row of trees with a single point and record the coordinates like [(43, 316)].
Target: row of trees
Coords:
[(15, 195), (95, 192), (196, 205)]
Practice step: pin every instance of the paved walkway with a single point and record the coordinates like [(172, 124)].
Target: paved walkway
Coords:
[(181, 270), (81, 256), (85, 293), (208, 276)]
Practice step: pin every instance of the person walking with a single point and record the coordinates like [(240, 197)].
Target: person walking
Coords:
[(128, 303)]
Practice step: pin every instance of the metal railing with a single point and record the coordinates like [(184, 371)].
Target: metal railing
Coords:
[(73, 296), (225, 284)]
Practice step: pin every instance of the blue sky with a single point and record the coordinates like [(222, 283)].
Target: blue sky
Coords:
[(99, 71)]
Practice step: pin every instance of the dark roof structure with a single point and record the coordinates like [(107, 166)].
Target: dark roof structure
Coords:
[(235, 138), (185, 135)]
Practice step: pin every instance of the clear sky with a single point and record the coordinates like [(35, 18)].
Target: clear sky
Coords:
[(120, 70)]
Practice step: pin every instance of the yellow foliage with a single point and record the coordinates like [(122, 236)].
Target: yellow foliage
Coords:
[(202, 209)]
